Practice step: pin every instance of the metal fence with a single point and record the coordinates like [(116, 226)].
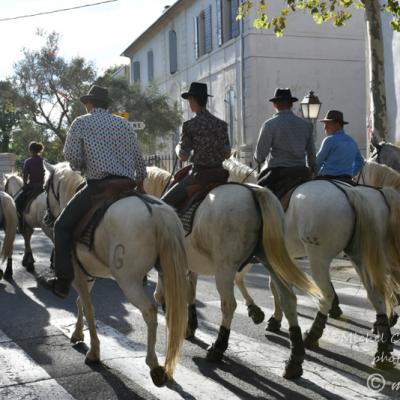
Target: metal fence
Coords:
[(167, 161)]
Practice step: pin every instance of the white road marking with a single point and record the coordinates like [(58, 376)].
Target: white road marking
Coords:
[(21, 377), (128, 357)]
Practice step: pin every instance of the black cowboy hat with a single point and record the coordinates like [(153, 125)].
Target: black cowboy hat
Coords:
[(283, 95), (334, 115), (196, 90), (96, 93)]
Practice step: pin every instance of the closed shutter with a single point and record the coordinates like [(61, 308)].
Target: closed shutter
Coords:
[(234, 21), (173, 52), (219, 22), (196, 36), (136, 71), (208, 29), (150, 65)]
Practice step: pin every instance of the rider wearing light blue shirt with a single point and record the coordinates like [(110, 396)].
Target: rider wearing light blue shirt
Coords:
[(339, 155)]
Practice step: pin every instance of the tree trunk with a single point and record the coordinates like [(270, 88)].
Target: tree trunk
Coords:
[(377, 93), (5, 142)]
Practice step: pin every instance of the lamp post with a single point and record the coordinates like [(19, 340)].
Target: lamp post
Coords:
[(310, 106)]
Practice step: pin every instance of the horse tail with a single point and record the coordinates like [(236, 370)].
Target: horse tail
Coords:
[(274, 243), (10, 225), (170, 237), (369, 244), (392, 198)]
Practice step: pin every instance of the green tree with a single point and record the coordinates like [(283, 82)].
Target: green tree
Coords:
[(9, 115), (150, 106), (338, 12), (49, 86)]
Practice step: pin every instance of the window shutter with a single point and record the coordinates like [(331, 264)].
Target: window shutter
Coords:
[(234, 22), (208, 29), (173, 52), (136, 71), (196, 36), (150, 65), (219, 22)]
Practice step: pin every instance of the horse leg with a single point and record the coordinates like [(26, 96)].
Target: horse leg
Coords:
[(9, 271), (320, 272), (255, 312), (78, 335), (192, 313), (293, 367), (335, 312), (274, 323), (28, 260), (134, 292), (82, 287), (225, 286), (52, 260)]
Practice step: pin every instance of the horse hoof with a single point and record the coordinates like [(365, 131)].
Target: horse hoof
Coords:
[(1, 274), (30, 268), (273, 325), (77, 339), (309, 342), (293, 371), (256, 314), (8, 274), (214, 354), (90, 360), (335, 312), (159, 376), (383, 362), (190, 333)]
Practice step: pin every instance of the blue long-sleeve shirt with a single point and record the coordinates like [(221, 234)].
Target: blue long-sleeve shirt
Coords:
[(339, 155)]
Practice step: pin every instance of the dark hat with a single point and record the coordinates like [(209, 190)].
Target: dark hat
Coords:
[(283, 95), (334, 115), (96, 93), (196, 89)]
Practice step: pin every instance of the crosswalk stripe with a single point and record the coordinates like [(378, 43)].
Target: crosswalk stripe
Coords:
[(21, 377), (128, 357)]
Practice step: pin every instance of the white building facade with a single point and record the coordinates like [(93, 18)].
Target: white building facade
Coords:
[(200, 40)]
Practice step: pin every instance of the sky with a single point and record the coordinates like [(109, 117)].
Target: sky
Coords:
[(99, 33)]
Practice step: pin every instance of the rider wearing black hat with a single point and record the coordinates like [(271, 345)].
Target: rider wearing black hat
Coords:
[(285, 140), (204, 141)]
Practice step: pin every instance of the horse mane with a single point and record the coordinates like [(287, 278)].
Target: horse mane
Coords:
[(381, 175), (72, 179), (156, 181), (239, 172)]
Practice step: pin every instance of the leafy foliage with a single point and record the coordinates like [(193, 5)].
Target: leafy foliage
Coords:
[(336, 11)]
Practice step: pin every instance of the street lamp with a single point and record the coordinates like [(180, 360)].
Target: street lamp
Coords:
[(310, 106)]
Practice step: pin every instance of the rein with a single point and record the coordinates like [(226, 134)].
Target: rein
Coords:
[(50, 218), (170, 177), (245, 178)]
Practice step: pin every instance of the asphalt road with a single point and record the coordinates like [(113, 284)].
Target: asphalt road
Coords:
[(37, 360)]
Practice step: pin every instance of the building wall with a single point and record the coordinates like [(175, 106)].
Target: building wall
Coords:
[(328, 60)]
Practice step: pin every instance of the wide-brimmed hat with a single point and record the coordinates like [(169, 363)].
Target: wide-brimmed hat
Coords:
[(96, 93), (196, 90), (334, 115), (283, 95)]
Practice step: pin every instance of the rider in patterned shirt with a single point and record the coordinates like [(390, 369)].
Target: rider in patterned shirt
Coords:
[(204, 141), (102, 146)]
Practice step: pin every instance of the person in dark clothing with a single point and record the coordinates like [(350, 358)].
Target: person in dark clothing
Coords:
[(33, 177), (204, 142)]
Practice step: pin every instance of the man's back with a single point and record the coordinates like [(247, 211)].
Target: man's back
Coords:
[(287, 138)]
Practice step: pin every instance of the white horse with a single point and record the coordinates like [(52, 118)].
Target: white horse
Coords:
[(325, 219), (129, 240), (388, 154), (231, 224), (8, 221), (34, 218)]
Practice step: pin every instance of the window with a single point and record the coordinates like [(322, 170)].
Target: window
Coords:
[(173, 52), (227, 25), (150, 65), (136, 71), (203, 33)]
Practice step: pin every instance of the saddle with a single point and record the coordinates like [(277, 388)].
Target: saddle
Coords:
[(204, 181), (108, 192)]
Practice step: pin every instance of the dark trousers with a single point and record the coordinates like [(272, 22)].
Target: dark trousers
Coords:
[(64, 226), (178, 193)]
